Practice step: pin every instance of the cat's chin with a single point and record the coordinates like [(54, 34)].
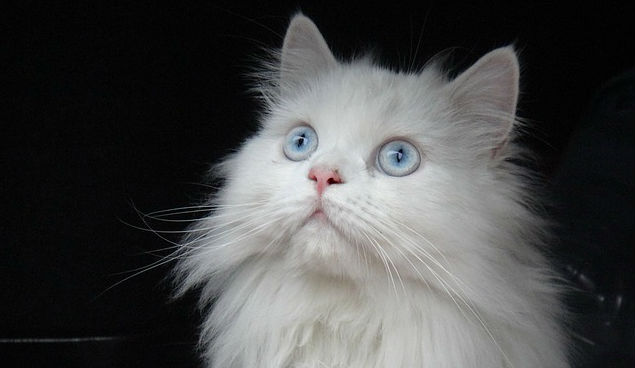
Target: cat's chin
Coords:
[(319, 243), (318, 234)]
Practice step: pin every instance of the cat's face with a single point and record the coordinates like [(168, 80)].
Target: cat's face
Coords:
[(357, 167)]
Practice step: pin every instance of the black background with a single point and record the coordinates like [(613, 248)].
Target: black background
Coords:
[(110, 104)]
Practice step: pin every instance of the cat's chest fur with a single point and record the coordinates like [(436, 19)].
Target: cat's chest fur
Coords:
[(284, 319)]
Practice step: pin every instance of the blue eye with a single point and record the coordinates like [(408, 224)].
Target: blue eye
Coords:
[(398, 158), (300, 143)]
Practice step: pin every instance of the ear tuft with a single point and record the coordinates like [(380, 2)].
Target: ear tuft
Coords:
[(304, 51)]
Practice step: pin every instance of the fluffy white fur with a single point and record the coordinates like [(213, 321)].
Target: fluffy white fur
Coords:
[(439, 268)]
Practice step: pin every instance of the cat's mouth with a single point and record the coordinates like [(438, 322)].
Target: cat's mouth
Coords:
[(320, 221), (319, 215)]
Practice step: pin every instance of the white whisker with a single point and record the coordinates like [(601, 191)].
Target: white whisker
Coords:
[(382, 255), (450, 291)]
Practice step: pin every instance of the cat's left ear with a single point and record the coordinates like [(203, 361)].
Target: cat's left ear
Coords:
[(304, 51), (485, 96)]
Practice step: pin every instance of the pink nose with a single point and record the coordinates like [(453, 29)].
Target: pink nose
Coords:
[(324, 177)]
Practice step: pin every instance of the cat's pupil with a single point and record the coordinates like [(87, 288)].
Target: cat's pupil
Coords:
[(300, 140)]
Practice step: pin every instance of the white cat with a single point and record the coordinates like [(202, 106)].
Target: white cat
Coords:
[(376, 220)]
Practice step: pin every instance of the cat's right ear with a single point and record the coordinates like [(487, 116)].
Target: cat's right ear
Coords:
[(304, 52)]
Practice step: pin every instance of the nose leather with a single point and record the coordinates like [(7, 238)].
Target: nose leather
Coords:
[(324, 177)]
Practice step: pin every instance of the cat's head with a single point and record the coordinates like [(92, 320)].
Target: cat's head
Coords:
[(357, 167)]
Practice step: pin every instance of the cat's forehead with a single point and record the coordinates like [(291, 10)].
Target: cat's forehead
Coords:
[(370, 102)]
